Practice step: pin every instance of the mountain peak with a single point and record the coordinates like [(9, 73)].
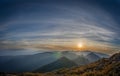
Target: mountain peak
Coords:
[(63, 62), (93, 55)]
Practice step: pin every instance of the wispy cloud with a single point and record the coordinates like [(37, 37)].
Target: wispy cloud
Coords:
[(60, 26)]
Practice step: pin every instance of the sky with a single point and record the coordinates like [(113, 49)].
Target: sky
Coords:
[(59, 25)]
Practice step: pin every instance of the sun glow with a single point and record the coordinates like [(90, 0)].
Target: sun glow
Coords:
[(80, 45)]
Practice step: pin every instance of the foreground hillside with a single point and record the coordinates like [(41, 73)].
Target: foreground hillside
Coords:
[(104, 67)]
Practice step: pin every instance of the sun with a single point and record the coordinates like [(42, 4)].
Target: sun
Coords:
[(80, 45)]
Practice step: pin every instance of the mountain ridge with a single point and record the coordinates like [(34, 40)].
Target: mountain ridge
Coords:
[(63, 62)]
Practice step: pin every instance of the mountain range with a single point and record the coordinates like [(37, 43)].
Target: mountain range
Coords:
[(103, 67), (48, 61)]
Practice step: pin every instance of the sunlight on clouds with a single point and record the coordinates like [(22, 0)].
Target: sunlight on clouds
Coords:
[(61, 29)]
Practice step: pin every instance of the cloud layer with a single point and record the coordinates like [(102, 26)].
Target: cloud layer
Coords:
[(58, 25)]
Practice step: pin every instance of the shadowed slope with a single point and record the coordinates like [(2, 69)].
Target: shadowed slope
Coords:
[(60, 63)]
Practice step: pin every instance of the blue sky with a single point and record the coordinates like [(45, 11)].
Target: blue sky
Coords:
[(60, 25)]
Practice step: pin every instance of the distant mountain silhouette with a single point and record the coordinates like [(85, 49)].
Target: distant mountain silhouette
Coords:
[(26, 63), (81, 60), (92, 57), (4, 59), (70, 55), (29, 63), (60, 63), (102, 55)]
